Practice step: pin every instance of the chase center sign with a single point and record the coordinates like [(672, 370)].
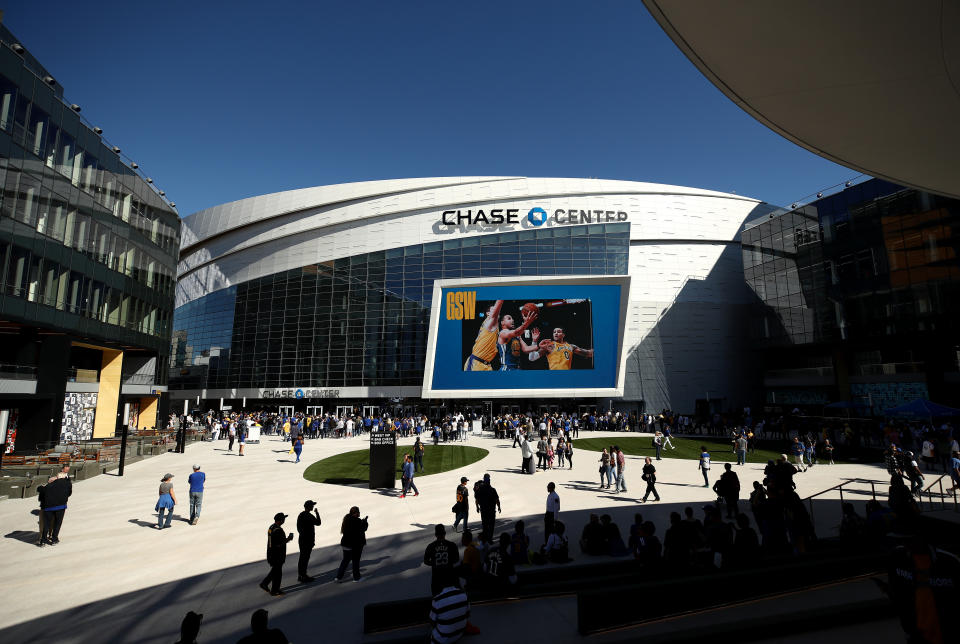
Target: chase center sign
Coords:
[(493, 218)]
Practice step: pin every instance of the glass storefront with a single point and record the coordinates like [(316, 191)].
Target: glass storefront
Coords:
[(362, 320), (861, 285)]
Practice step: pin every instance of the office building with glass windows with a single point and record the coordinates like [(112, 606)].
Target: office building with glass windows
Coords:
[(87, 262), (858, 299), (321, 297)]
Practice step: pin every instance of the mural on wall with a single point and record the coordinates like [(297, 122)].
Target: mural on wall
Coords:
[(797, 397), (884, 395), (79, 410), (133, 419)]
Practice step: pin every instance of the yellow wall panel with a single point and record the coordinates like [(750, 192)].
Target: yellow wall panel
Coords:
[(108, 398), (148, 413)]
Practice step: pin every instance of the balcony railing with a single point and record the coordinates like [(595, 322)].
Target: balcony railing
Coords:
[(890, 368), (803, 372), (17, 372)]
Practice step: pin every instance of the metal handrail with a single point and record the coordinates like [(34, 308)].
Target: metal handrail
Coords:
[(939, 483), (17, 371), (809, 499)]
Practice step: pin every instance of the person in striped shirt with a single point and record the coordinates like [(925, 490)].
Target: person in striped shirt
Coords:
[(449, 613)]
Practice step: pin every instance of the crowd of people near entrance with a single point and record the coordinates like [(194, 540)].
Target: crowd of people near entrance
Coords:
[(722, 536)]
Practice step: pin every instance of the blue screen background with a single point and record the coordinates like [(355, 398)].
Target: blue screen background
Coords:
[(448, 373)]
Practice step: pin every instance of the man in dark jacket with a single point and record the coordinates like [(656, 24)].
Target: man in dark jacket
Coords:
[(354, 538), (306, 538), (461, 508), (277, 542), (488, 504), (728, 487), (54, 505)]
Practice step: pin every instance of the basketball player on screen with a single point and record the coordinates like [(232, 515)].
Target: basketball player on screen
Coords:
[(485, 346), (559, 351), (489, 340), (509, 343)]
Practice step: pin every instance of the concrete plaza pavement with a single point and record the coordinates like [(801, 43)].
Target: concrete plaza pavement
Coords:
[(115, 577)]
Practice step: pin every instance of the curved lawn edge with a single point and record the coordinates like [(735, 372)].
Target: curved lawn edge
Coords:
[(353, 467), (721, 449)]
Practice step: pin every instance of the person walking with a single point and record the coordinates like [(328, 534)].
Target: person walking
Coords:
[(797, 451), (704, 465), (604, 470), (658, 443), (231, 435), (442, 556), (666, 438), (542, 451), (407, 477), (828, 450), (568, 452), (729, 489), (53, 505), (526, 454), (196, 481), (241, 435), (621, 485), (353, 529), (277, 542), (650, 476), (418, 455), (741, 444), (552, 515), (298, 446), (461, 509), (307, 523), (166, 502), (488, 504), (181, 435)]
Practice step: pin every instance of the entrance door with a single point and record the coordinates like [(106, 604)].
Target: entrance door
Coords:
[(548, 409), (314, 411), (344, 411), (371, 410), (584, 409), (286, 410)]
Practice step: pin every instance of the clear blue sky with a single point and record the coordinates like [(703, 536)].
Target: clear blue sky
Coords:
[(220, 100)]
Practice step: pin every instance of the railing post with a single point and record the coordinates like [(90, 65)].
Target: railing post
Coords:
[(873, 489)]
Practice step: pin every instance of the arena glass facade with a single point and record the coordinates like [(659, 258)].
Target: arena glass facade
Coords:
[(87, 264), (321, 297)]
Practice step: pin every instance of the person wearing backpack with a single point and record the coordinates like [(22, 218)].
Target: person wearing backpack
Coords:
[(558, 546), (461, 509), (519, 545)]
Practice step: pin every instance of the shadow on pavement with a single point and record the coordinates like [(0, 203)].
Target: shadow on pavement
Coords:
[(26, 536)]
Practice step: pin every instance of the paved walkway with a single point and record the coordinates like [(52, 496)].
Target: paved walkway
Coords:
[(115, 576)]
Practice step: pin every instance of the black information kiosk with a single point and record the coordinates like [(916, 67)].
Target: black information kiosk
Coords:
[(383, 460)]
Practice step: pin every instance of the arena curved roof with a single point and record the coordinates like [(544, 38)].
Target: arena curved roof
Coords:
[(874, 86), (237, 241)]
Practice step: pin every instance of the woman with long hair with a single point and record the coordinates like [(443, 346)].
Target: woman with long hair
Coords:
[(353, 529)]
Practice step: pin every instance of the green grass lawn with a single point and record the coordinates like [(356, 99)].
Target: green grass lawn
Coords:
[(721, 450), (354, 467)]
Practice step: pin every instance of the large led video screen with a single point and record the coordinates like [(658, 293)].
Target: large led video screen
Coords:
[(513, 337)]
